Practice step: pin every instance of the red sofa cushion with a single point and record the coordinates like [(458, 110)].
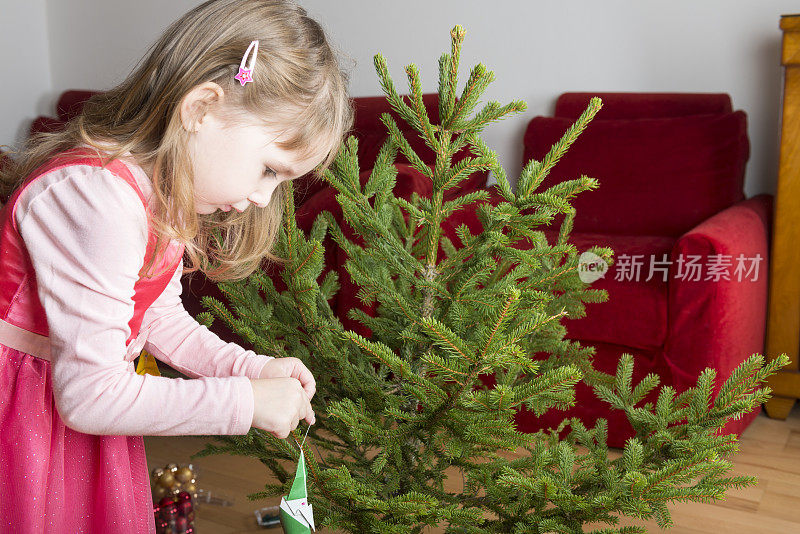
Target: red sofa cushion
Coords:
[(635, 314), (657, 176), (612, 321), (645, 105)]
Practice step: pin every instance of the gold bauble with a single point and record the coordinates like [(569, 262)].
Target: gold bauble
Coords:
[(157, 472), (167, 480), (159, 493), (190, 488), (184, 474), (172, 467)]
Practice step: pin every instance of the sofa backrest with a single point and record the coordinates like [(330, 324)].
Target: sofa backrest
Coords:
[(644, 105), (658, 175)]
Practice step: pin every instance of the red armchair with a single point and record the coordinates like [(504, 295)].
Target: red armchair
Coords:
[(671, 171)]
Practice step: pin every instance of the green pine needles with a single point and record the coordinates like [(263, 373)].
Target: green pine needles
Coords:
[(402, 411)]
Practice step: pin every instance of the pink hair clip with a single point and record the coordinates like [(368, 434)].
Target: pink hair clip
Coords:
[(246, 73)]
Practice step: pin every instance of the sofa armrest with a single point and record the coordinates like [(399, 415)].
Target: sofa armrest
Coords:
[(719, 319)]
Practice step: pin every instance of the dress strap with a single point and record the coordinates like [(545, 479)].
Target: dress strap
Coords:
[(25, 341), (80, 156)]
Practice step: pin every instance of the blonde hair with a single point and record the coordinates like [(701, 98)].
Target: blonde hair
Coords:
[(297, 85)]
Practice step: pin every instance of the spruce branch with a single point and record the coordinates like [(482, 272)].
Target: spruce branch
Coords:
[(535, 172)]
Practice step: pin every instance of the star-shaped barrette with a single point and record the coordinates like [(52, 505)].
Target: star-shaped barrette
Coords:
[(246, 72)]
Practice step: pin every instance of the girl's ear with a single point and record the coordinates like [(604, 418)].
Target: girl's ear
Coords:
[(197, 103)]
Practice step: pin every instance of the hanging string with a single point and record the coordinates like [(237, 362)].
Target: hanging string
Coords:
[(319, 454), (304, 439)]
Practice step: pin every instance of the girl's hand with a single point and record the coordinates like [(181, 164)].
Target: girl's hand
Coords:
[(280, 404), (290, 368)]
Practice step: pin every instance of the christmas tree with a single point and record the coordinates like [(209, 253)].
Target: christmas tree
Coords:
[(401, 411)]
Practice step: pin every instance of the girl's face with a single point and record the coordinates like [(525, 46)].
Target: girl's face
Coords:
[(238, 165)]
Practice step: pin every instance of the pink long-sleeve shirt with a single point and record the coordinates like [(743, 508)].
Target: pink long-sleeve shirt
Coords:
[(86, 233)]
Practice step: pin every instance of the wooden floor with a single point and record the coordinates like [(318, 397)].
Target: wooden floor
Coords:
[(769, 449)]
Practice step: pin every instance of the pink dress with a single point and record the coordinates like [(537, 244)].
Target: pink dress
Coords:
[(89, 474)]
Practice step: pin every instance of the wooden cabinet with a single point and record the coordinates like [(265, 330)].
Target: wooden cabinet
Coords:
[(783, 323)]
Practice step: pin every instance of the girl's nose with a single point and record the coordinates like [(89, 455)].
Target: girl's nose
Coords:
[(258, 199), (261, 196)]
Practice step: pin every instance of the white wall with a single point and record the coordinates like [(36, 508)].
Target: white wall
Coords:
[(537, 49), (26, 87)]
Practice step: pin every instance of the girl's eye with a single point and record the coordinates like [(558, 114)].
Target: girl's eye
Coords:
[(268, 172)]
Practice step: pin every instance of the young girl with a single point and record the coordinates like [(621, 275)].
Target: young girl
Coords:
[(188, 156)]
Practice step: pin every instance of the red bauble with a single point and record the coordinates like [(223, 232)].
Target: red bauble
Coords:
[(169, 512), (185, 508), (181, 524)]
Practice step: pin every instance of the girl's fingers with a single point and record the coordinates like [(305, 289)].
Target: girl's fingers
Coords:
[(309, 417), (305, 377), (291, 368), (310, 388), (299, 371)]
